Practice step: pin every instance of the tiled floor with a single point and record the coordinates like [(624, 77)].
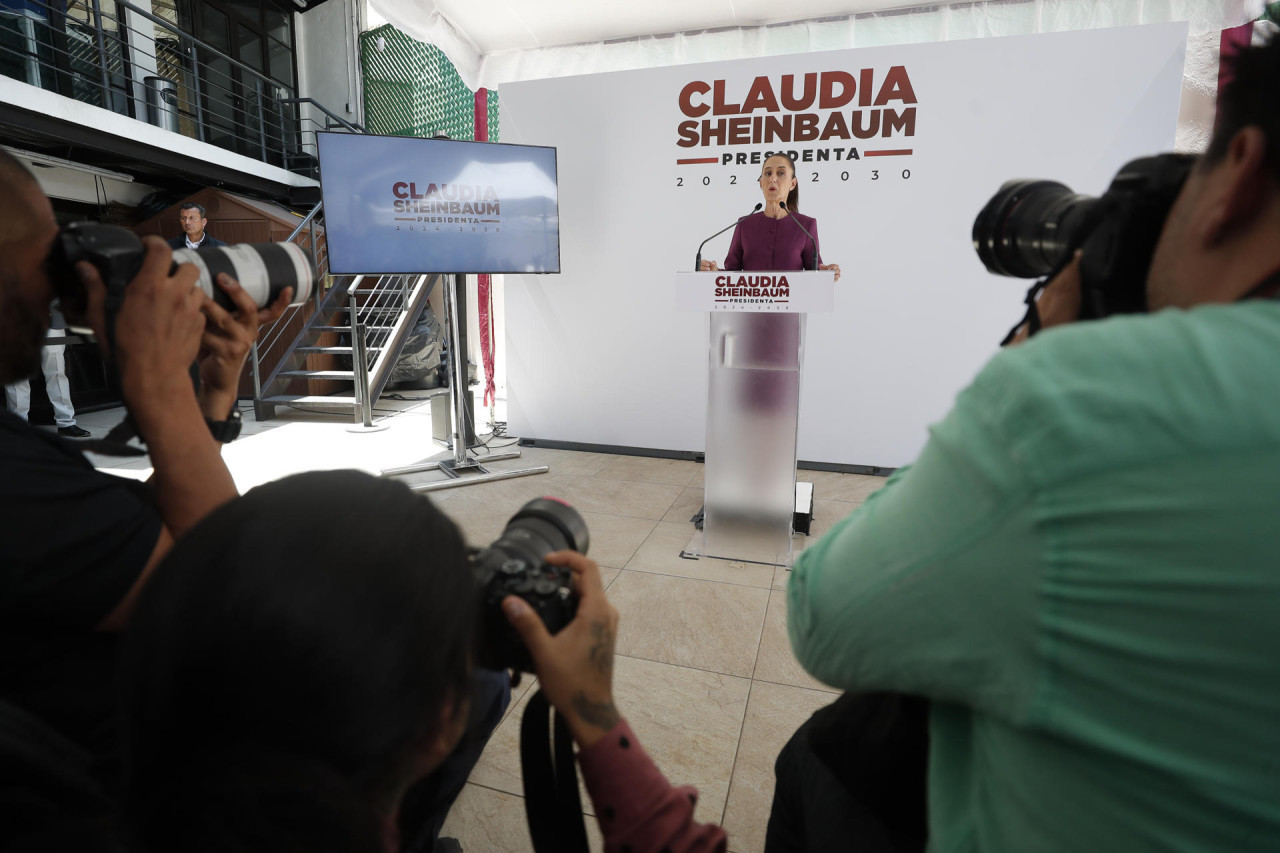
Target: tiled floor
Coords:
[(704, 672)]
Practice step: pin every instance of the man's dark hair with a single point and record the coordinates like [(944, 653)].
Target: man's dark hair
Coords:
[(1250, 99), (191, 205), (282, 670)]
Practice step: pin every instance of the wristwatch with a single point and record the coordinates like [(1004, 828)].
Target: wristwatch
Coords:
[(226, 431)]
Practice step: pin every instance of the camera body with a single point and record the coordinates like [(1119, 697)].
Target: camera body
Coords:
[(262, 269), (1031, 229), (515, 564)]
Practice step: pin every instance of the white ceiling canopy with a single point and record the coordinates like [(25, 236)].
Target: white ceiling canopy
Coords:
[(494, 26), (500, 41)]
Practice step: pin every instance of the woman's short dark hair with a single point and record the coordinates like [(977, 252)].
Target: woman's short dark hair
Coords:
[(793, 197), (286, 661)]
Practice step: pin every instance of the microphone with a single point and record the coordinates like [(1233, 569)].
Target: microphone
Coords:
[(783, 205), (697, 263)]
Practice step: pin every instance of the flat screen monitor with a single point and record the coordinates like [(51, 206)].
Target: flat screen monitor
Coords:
[(400, 204)]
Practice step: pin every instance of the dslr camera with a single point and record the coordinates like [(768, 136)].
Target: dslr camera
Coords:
[(262, 269), (1031, 229), (515, 564)]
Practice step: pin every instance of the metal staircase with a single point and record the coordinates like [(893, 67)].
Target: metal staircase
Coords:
[(375, 314)]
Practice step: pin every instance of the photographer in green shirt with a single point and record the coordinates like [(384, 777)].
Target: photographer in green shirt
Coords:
[(1081, 572)]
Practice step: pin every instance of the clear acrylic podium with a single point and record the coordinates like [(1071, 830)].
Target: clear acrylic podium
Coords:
[(756, 356)]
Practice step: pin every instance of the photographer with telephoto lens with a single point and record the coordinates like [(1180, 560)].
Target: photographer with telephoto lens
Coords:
[(1079, 571), (79, 544)]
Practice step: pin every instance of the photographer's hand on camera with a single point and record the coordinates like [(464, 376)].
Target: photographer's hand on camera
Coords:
[(226, 343), (1058, 303), (159, 331), (575, 666)]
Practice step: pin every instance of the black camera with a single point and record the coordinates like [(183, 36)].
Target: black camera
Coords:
[(262, 269), (1030, 229), (515, 564)]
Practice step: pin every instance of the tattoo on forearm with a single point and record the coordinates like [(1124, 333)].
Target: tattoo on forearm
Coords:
[(601, 653), (602, 715)]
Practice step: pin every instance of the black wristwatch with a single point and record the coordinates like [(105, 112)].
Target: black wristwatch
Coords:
[(226, 431)]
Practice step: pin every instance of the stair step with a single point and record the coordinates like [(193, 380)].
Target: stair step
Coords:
[(311, 400), (334, 350), (318, 374), (368, 326)]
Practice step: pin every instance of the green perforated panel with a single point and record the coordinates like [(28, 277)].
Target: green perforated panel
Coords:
[(412, 89)]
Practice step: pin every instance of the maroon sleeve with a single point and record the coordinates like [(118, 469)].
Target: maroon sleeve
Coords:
[(638, 809), (733, 260)]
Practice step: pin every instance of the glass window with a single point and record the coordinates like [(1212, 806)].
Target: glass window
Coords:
[(277, 23), (213, 29), (281, 62), (248, 47)]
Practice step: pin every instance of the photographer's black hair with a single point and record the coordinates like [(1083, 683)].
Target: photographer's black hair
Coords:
[(793, 197), (291, 657), (1251, 98), (191, 205)]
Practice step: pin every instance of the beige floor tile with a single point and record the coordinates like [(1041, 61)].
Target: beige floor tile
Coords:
[(776, 662), (689, 502), (701, 624), (488, 821), (572, 462), (614, 539), (660, 554), (481, 521), (499, 764), (649, 469), (688, 721), (781, 574), (826, 513), (773, 715), (618, 497), (608, 576), (830, 486)]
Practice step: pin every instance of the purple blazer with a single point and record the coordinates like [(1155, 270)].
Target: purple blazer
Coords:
[(763, 244)]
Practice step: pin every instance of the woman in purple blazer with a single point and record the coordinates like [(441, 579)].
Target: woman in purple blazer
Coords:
[(771, 239)]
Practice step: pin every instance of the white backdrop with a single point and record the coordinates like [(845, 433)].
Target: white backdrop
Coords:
[(597, 354)]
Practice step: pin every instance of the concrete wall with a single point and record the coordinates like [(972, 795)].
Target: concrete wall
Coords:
[(328, 54)]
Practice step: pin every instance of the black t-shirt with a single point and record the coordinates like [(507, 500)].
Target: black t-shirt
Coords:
[(74, 542)]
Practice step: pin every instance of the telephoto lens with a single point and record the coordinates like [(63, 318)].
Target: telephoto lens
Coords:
[(262, 269), (515, 564), (1031, 228)]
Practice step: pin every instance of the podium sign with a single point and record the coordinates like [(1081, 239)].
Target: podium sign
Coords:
[(753, 402), (772, 292)]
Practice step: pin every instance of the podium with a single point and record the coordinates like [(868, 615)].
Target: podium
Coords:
[(756, 357)]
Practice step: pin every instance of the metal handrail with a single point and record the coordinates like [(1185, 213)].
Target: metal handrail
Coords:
[(264, 126), (168, 25), (306, 220), (351, 126)]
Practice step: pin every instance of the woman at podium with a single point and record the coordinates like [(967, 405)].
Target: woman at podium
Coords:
[(779, 237)]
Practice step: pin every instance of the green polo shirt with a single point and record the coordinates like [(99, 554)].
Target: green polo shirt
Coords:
[(1082, 570)]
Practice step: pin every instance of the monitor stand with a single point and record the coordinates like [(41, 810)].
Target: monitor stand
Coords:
[(463, 469)]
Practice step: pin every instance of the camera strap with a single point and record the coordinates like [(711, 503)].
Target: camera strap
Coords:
[(550, 773), (1032, 318)]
